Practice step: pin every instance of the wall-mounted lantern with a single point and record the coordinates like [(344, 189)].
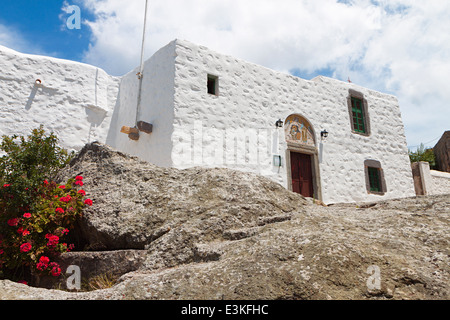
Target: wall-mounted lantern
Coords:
[(279, 124), (324, 134), (277, 161)]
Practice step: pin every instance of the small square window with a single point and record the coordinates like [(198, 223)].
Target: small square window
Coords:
[(213, 85)]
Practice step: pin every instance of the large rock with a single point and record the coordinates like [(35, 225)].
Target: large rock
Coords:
[(222, 234), (136, 202)]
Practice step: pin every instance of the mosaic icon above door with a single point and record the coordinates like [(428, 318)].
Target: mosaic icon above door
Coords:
[(298, 130)]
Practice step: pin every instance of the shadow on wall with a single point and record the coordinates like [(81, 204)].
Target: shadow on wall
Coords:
[(38, 85)]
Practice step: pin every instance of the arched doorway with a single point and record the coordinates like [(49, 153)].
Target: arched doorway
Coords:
[(302, 157)]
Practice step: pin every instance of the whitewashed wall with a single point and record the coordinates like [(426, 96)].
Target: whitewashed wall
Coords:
[(156, 108), (252, 98), (74, 100)]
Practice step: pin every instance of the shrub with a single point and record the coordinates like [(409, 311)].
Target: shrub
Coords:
[(422, 154), (35, 215)]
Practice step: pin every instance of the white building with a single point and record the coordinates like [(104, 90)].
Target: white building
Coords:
[(210, 109)]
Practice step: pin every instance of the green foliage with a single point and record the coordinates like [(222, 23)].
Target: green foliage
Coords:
[(35, 215), (422, 154), (31, 159)]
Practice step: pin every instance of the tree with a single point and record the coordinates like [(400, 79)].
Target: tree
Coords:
[(422, 154)]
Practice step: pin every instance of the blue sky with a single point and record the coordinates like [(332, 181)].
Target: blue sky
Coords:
[(41, 26), (394, 46)]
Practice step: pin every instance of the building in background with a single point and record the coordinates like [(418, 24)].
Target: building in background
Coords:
[(442, 152)]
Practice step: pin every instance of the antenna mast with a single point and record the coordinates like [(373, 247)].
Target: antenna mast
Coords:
[(141, 66)]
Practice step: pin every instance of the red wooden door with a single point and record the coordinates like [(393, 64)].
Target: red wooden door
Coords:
[(301, 170)]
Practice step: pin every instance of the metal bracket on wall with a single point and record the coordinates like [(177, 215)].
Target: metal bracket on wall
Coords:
[(133, 132)]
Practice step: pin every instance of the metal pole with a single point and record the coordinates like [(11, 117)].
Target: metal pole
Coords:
[(141, 67)]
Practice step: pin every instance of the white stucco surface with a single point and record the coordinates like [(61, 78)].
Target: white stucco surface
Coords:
[(73, 100), (251, 98), (156, 108), (191, 127)]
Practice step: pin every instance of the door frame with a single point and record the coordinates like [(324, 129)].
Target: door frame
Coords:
[(313, 152)]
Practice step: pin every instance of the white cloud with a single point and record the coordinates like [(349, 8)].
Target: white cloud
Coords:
[(12, 39), (399, 46)]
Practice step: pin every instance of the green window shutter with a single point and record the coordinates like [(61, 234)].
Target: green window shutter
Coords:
[(358, 115), (374, 179)]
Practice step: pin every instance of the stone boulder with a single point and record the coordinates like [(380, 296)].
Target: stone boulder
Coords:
[(220, 234), (136, 202)]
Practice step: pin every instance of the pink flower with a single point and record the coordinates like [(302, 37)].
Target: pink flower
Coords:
[(59, 210), (13, 222), (88, 202), (25, 247), (6, 185), (27, 215)]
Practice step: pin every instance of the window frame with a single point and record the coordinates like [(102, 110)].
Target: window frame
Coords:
[(364, 112)]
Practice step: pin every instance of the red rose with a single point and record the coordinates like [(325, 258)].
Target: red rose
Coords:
[(27, 215), (23, 282), (78, 178), (44, 260), (46, 182), (56, 272), (25, 233), (13, 222), (25, 247), (59, 210), (88, 202), (65, 199), (79, 183), (52, 241), (6, 185), (62, 187), (82, 192)]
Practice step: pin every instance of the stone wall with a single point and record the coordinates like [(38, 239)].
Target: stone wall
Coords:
[(72, 99), (430, 182)]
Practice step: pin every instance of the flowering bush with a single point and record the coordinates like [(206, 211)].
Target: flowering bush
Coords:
[(32, 236), (36, 215)]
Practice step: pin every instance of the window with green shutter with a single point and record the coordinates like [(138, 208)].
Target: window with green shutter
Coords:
[(358, 110), (358, 115), (374, 179)]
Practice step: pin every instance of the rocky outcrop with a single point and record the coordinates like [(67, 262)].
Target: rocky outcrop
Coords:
[(222, 234), (137, 202)]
